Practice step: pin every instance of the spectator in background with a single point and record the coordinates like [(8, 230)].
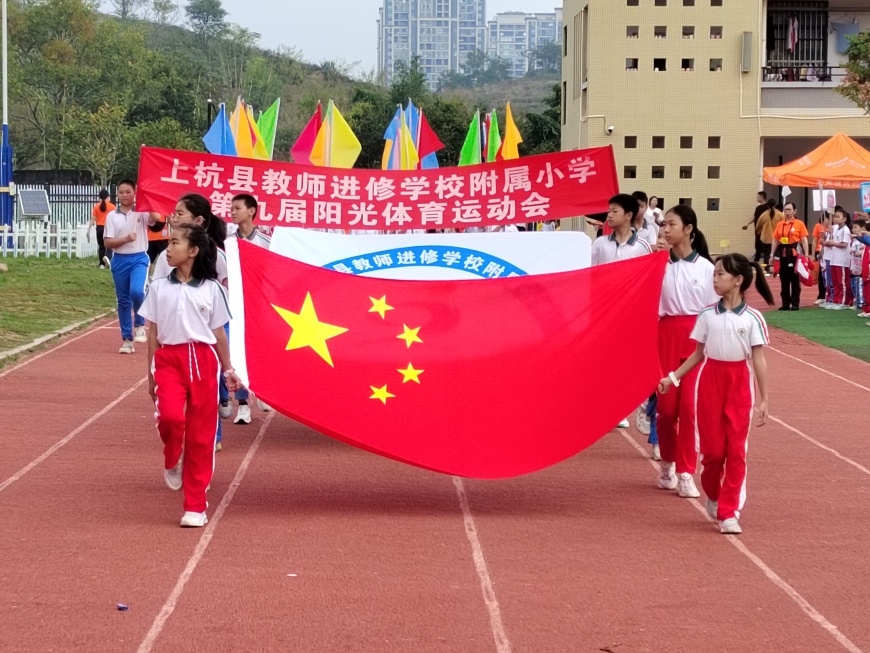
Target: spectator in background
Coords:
[(98, 218), (820, 235), (764, 228), (761, 198), (789, 234), (654, 213)]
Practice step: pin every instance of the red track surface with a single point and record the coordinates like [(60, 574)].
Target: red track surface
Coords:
[(321, 547)]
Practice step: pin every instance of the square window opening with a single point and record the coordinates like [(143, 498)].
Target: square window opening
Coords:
[(715, 65), (713, 172), (687, 65), (658, 172), (629, 172), (632, 3), (716, 32), (714, 142), (660, 65), (712, 203), (686, 142), (630, 142), (685, 172), (715, 3), (688, 32), (688, 3), (658, 142), (686, 201), (632, 32), (661, 32), (661, 3), (631, 64)]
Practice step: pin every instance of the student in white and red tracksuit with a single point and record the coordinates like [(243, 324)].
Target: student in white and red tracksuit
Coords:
[(686, 291), (187, 347), (730, 337)]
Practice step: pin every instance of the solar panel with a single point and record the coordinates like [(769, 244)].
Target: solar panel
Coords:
[(34, 203)]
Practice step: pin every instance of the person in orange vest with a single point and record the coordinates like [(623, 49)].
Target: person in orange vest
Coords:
[(158, 241), (98, 219)]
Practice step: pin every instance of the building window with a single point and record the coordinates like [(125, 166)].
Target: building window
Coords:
[(715, 3), (714, 142), (688, 31), (686, 201), (661, 3), (788, 50), (715, 65), (658, 172), (661, 32), (686, 142), (685, 172), (629, 172), (688, 3), (712, 203), (632, 3), (632, 32), (564, 103), (660, 65), (630, 142), (565, 41), (658, 142), (631, 64), (687, 65), (713, 172), (716, 32)]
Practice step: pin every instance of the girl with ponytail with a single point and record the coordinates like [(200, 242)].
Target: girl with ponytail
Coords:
[(730, 338), (686, 291)]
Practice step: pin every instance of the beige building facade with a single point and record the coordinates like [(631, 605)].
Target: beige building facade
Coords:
[(696, 96)]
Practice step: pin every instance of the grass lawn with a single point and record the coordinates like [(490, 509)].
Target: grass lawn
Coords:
[(836, 329), (39, 296)]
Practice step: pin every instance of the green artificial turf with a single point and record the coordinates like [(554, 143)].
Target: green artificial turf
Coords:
[(841, 330)]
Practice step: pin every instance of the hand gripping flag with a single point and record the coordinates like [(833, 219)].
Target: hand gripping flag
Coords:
[(486, 379)]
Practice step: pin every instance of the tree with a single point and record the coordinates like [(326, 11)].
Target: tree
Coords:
[(409, 81), (125, 9), (207, 19), (95, 140), (542, 132), (546, 59), (856, 85)]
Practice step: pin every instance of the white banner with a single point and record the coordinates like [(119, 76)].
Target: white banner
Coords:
[(412, 256), (438, 256)]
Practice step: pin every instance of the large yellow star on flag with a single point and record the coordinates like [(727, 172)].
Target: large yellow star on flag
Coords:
[(410, 374), (380, 307), (409, 335), (308, 330), (381, 393)]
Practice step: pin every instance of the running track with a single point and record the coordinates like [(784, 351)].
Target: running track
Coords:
[(315, 546)]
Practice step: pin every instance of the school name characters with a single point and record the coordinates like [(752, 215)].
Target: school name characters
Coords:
[(544, 187)]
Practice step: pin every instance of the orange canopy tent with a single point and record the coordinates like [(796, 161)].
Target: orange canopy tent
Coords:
[(838, 163)]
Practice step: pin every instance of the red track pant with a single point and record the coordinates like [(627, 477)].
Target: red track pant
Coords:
[(840, 279), (726, 393), (675, 420), (187, 414)]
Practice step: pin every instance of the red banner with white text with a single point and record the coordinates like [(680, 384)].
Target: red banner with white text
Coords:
[(530, 189)]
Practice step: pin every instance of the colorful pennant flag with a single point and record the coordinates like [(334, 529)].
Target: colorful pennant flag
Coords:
[(219, 138), (242, 132), (471, 149), (268, 127), (512, 138), (336, 146), (428, 144), (493, 140), (410, 160), (302, 148), (391, 159)]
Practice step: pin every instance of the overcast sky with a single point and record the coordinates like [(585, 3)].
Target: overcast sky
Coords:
[(335, 29)]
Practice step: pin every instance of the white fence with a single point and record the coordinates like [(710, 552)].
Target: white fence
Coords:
[(37, 238), (65, 232)]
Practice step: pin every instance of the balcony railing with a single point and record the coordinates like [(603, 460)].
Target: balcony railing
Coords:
[(802, 74)]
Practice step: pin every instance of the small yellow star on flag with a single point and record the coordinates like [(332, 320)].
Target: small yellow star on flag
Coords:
[(381, 393), (308, 330), (380, 307), (410, 336), (410, 374)]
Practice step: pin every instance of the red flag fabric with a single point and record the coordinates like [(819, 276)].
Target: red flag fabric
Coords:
[(484, 379), (429, 143), (301, 150)]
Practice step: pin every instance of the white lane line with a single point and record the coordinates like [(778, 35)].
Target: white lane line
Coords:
[(51, 350), (207, 535), (806, 437), (771, 575), (21, 472), (502, 644), (821, 369)]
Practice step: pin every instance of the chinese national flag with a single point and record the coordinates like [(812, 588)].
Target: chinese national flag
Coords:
[(488, 378)]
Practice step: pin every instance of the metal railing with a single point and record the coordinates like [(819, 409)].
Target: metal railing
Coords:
[(802, 72)]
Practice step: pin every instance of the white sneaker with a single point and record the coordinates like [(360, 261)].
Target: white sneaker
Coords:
[(102, 267), (225, 410), (712, 509), (263, 406), (656, 452), (819, 302), (194, 520), (687, 486), (828, 305), (139, 335), (623, 424), (863, 314), (730, 526), (127, 348), (641, 420), (107, 262), (173, 476), (841, 307), (668, 478), (244, 415)]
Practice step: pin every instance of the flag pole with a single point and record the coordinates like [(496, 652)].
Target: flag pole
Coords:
[(6, 208)]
